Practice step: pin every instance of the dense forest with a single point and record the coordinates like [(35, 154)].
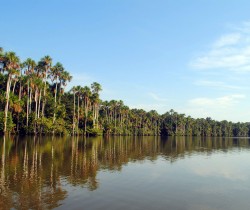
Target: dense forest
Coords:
[(33, 100)]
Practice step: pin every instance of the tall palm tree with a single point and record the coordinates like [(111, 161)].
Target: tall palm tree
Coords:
[(1, 58), (37, 86), (96, 88), (78, 93), (94, 101), (64, 79), (11, 65), (56, 72), (74, 90), (29, 65), (86, 97), (46, 63)]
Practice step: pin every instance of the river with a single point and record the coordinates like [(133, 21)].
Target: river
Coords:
[(175, 173)]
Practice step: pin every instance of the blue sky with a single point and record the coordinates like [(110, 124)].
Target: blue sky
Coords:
[(192, 56)]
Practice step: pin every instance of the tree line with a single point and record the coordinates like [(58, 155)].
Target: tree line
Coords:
[(33, 100)]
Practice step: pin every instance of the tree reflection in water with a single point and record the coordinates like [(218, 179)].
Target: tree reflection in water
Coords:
[(35, 170)]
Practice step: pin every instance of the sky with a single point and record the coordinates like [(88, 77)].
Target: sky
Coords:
[(191, 56)]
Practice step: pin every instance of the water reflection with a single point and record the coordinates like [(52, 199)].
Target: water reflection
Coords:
[(34, 170)]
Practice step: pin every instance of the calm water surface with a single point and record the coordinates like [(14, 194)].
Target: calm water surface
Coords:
[(125, 173)]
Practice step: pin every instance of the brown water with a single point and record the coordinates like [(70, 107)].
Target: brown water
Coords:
[(125, 173)]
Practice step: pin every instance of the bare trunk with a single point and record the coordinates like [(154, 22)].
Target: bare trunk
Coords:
[(78, 111), (74, 115), (60, 93), (54, 118), (44, 92), (36, 100), (97, 115), (13, 90), (27, 109), (20, 92), (86, 116), (7, 103), (36, 107), (30, 100), (106, 114), (39, 104), (93, 108), (19, 99), (115, 120)]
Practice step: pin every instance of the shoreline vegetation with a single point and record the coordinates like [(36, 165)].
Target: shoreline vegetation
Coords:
[(33, 101)]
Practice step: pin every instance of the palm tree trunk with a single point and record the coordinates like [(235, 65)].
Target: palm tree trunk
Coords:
[(39, 104), (19, 99), (97, 115), (27, 109), (54, 118), (74, 114), (93, 108), (86, 116), (60, 92), (7, 103), (115, 120), (44, 92), (36, 107), (106, 114), (14, 86), (176, 126), (78, 111), (30, 99)]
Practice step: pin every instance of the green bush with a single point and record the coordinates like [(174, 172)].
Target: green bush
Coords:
[(94, 132), (10, 124)]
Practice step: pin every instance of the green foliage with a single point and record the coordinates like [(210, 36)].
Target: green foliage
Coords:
[(46, 125), (38, 104), (10, 124), (94, 132), (59, 127)]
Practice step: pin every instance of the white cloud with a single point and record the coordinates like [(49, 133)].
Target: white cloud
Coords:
[(224, 68), (218, 171), (161, 108), (236, 60), (227, 40), (220, 102), (217, 85), (243, 28), (213, 168), (156, 97), (228, 107), (80, 79), (229, 52)]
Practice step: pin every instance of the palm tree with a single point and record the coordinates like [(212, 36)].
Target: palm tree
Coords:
[(46, 63), (78, 93), (96, 88), (37, 85), (11, 65), (56, 72), (105, 108), (86, 97), (94, 101), (29, 65), (1, 58), (64, 78), (73, 90)]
